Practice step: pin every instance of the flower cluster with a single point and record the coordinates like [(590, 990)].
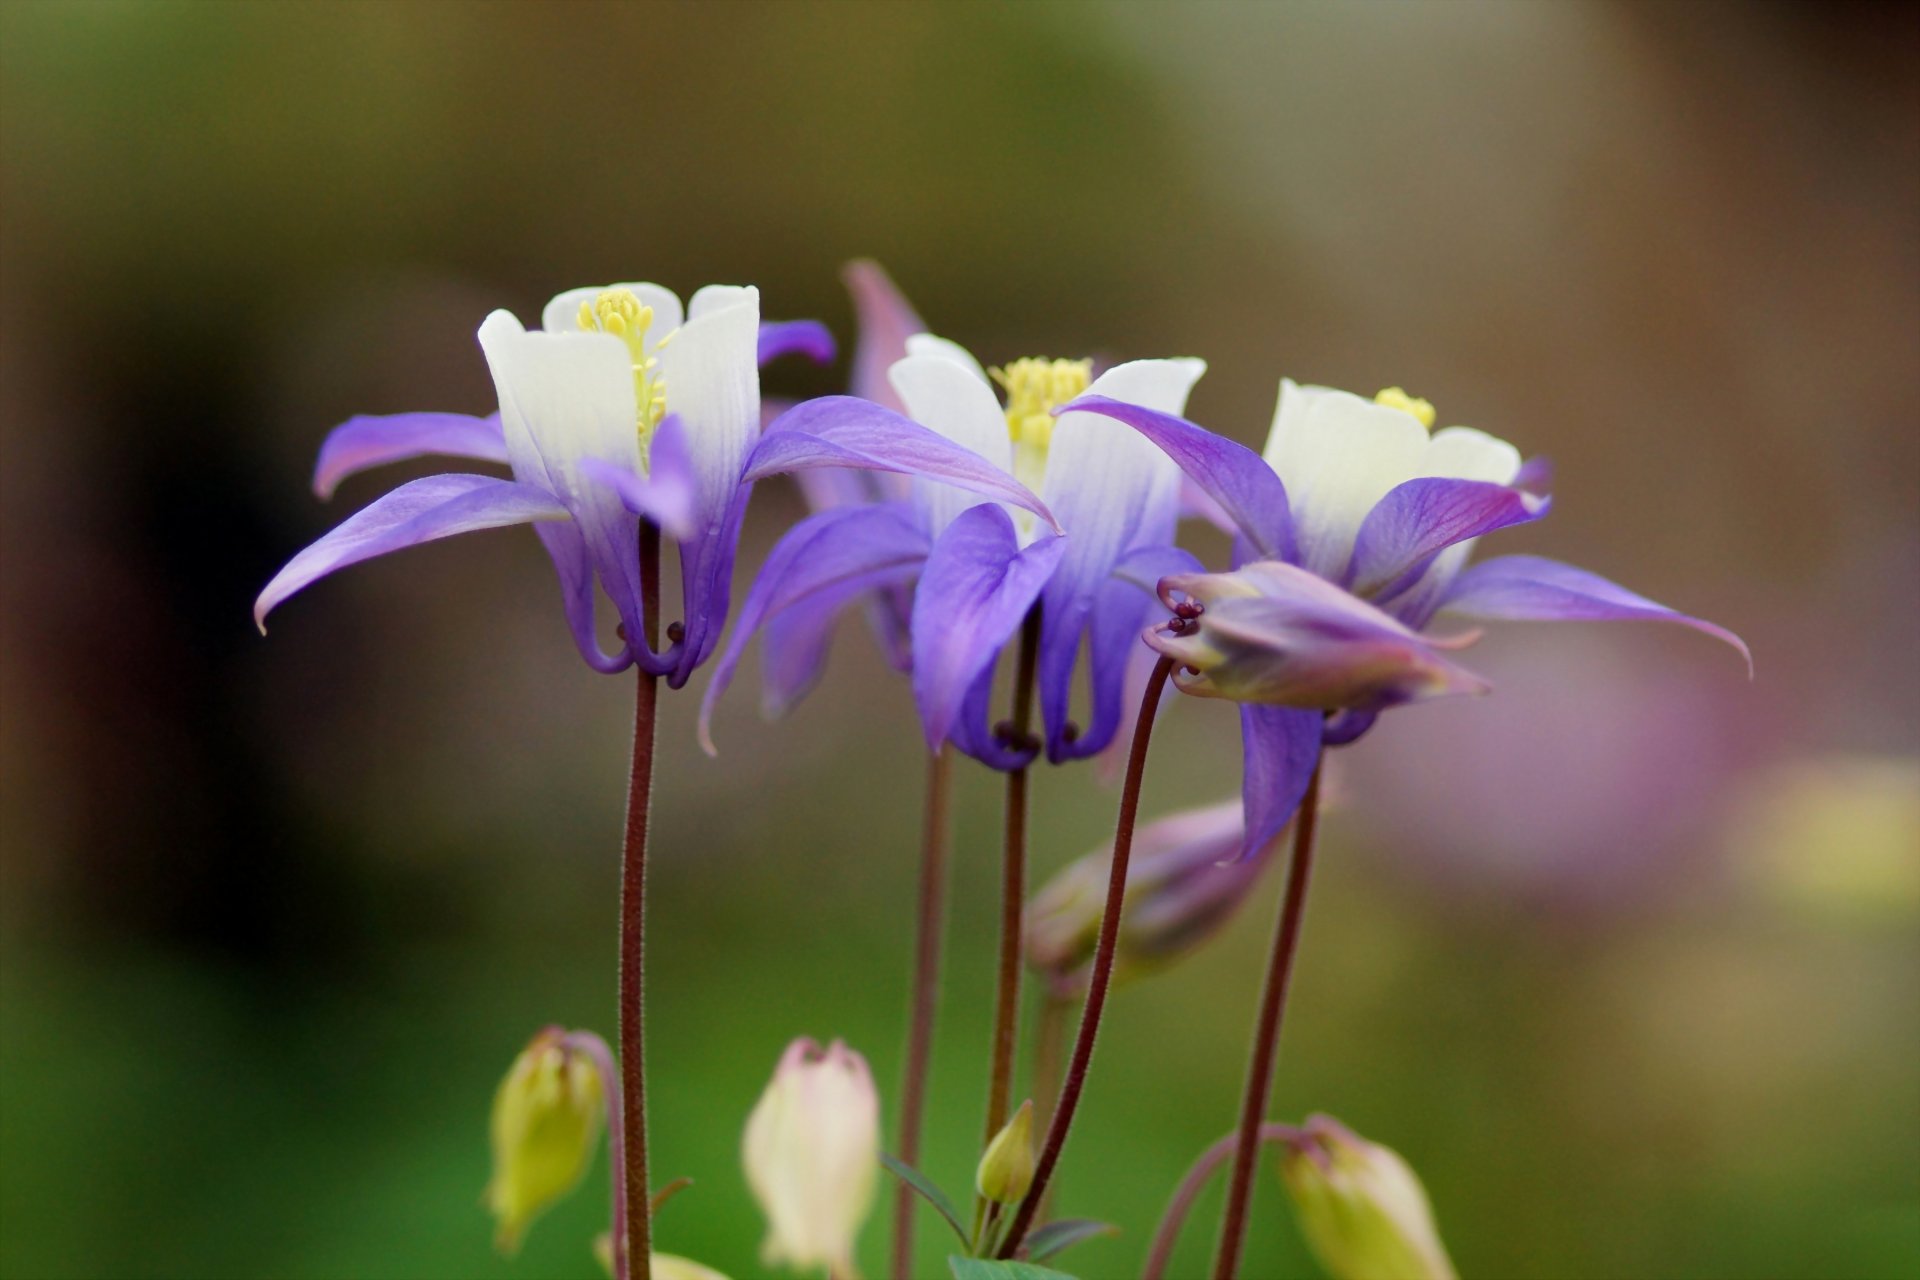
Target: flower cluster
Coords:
[(1031, 511)]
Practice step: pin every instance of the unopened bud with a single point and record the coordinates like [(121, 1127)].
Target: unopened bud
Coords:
[(546, 1120), (1183, 885), (1362, 1209), (1006, 1170), (666, 1266), (812, 1156)]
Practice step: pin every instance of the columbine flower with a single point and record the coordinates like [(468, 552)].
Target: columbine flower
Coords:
[(812, 1156), (1182, 887), (1361, 1207), (546, 1119), (614, 409), (1363, 522), (981, 567)]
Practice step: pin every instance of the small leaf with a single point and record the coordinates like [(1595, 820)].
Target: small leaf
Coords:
[(928, 1192), (996, 1269), (669, 1191), (1055, 1236)]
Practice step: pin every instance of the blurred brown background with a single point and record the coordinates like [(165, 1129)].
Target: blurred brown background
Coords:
[(1624, 959)]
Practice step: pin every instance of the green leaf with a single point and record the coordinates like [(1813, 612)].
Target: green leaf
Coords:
[(994, 1269), (928, 1192), (1055, 1236)]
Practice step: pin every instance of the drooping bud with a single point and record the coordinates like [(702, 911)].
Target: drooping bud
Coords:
[(1274, 633), (1361, 1208), (1006, 1170), (1179, 894), (666, 1266), (546, 1119), (812, 1156)]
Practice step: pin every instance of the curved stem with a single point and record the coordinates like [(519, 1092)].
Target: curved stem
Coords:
[(1013, 887), (1167, 1234), (596, 1049), (929, 924), (1101, 976), (633, 1251), (1266, 1036)]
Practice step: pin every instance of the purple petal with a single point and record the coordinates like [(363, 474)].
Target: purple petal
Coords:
[(836, 555), (845, 431), (1234, 476), (668, 493), (371, 440), (977, 586), (807, 338), (1535, 589), (1535, 476), (794, 652), (973, 733), (1419, 519), (1347, 727), (580, 597), (420, 511), (1280, 747), (886, 320), (706, 586)]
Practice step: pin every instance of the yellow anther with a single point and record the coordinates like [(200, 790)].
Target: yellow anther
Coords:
[(1035, 388), (622, 314), (1395, 398)]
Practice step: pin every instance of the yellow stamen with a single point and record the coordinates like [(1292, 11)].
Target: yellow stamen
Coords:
[(620, 313), (1035, 388), (1395, 398)]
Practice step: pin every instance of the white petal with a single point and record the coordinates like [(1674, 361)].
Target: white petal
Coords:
[(926, 344), (942, 395), (564, 397), (1110, 480), (1467, 453), (562, 314), (1337, 460), (718, 297), (1288, 415), (712, 375)]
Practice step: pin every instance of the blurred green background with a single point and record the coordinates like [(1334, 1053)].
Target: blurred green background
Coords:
[(1625, 960)]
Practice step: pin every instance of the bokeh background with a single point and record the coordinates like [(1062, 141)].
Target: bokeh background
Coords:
[(1625, 959)]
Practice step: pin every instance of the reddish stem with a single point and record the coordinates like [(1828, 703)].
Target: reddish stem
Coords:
[(1168, 1233), (1013, 887)]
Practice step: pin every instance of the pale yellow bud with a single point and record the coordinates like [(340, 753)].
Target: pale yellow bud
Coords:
[(1006, 1170), (812, 1156), (1362, 1209), (666, 1266), (546, 1120)]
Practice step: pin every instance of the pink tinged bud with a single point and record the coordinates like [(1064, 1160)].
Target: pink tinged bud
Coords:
[(1183, 885), (812, 1156), (1361, 1207), (1274, 633)]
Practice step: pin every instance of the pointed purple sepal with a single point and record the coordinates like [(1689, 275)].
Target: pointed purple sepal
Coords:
[(1280, 747), (372, 440), (1418, 520), (807, 338)]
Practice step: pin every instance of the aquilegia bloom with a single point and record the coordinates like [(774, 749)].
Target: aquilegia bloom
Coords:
[(981, 567), (1351, 534), (614, 409)]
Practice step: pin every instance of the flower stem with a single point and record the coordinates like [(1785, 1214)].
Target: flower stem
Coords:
[(929, 924), (1266, 1036), (1013, 886), (1049, 1040), (1101, 976), (634, 1252), (1167, 1234), (596, 1049)]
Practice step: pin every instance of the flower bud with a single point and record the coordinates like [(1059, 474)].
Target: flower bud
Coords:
[(812, 1156), (666, 1266), (546, 1120), (1273, 633), (1006, 1170), (1361, 1208), (1183, 885)]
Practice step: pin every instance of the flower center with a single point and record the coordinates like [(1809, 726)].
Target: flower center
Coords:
[(1035, 388), (620, 313), (1395, 398)]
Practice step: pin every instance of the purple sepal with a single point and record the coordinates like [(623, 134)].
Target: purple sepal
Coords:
[(885, 321), (706, 586), (793, 653), (1418, 520), (977, 585), (372, 440), (1535, 476), (1234, 476), (420, 511), (833, 556), (1535, 589), (807, 338), (846, 431), (973, 729), (1281, 746), (669, 493)]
